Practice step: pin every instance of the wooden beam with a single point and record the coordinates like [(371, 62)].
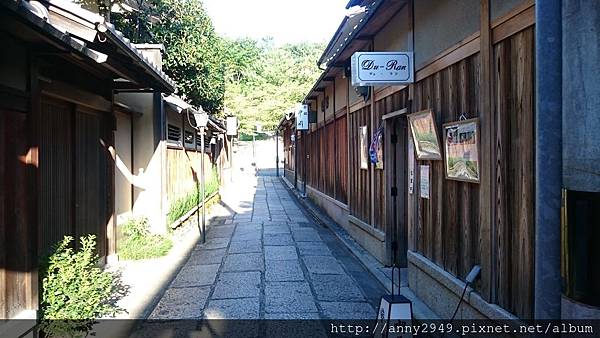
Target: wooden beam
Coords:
[(81, 97), (487, 186)]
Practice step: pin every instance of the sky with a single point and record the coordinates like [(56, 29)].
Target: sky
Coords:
[(287, 21)]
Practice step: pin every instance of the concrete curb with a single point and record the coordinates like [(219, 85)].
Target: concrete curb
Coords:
[(420, 310)]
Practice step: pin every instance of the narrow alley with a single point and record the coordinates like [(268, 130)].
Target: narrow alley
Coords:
[(264, 259)]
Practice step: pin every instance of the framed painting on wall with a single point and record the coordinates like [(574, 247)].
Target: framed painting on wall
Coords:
[(364, 147), (461, 145), (425, 136)]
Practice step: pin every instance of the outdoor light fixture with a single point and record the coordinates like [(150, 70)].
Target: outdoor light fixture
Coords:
[(201, 118), (394, 311)]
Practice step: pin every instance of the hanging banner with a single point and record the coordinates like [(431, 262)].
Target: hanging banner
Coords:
[(382, 68), (232, 126), (302, 117)]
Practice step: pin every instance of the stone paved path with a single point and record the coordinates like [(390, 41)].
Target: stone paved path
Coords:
[(266, 260)]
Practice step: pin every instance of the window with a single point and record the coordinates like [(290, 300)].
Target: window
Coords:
[(189, 139), (173, 134)]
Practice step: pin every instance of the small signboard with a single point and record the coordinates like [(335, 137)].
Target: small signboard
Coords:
[(382, 68), (232, 126), (424, 181), (302, 117)]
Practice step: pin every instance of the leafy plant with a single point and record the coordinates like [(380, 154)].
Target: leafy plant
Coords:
[(139, 243), (75, 291)]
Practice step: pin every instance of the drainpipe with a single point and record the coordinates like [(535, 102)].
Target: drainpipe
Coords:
[(548, 169)]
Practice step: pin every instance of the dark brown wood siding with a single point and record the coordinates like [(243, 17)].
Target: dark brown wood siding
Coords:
[(17, 242), (446, 225), (360, 179), (341, 159), (75, 174)]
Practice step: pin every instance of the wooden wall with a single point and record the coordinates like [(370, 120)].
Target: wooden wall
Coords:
[(17, 237), (446, 223), (183, 171), (447, 226), (326, 160), (341, 158), (359, 194)]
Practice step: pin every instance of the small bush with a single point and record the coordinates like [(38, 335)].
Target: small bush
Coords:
[(184, 204), (75, 291), (139, 243)]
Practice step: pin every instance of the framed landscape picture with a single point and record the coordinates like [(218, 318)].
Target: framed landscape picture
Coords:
[(461, 145), (425, 135), (364, 147)]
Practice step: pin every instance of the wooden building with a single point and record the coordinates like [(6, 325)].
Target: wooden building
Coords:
[(473, 59), (59, 69)]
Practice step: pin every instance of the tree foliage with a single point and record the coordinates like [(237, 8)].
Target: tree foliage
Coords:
[(264, 81), (193, 56), (254, 79)]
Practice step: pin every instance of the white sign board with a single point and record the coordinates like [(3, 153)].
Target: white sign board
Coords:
[(302, 117), (232, 126), (382, 68), (424, 180)]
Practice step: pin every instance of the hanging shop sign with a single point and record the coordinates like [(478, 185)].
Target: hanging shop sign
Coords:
[(425, 136), (461, 148), (424, 181), (232, 126), (302, 117), (382, 68), (364, 147)]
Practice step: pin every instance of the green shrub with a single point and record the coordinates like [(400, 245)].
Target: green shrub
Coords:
[(184, 204), (138, 243), (75, 291)]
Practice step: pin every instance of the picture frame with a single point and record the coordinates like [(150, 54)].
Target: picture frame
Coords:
[(363, 137), (461, 147), (425, 135)]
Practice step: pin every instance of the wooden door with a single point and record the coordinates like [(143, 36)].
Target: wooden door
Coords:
[(397, 229)]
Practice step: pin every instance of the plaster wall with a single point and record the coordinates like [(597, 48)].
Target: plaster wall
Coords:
[(341, 92), (148, 155)]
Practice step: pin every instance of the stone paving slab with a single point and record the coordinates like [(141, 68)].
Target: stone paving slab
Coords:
[(195, 275), (281, 253), (280, 271), (244, 262), (181, 303), (323, 265), (278, 239), (305, 234), (313, 249), (277, 230), (245, 246), (336, 288), (241, 308), (347, 310), (249, 236), (237, 285), (289, 297), (214, 243), (205, 257), (269, 261)]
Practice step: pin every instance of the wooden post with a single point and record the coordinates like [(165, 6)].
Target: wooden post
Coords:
[(33, 166), (487, 186)]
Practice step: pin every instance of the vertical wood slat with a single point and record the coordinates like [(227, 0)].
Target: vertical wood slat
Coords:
[(486, 215)]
